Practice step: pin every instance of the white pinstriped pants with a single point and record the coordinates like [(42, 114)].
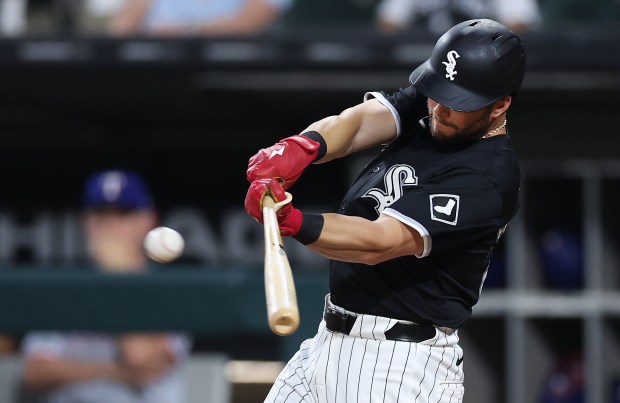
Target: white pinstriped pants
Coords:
[(365, 367)]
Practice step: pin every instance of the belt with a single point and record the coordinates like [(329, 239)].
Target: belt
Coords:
[(343, 323)]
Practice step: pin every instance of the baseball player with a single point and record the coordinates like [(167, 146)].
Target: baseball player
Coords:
[(411, 242)]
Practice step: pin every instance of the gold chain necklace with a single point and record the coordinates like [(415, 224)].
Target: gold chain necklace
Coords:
[(497, 129)]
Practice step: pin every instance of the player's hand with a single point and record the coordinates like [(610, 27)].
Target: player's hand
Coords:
[(285, 160), (289, 218)]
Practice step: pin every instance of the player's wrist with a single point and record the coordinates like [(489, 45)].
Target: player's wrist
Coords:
[(310, 228), (317, 138)]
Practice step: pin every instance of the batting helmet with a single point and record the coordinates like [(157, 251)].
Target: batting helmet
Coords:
[(473, 64)]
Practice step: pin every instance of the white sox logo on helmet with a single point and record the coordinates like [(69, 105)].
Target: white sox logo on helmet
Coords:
[(451, 64), (395, 179)]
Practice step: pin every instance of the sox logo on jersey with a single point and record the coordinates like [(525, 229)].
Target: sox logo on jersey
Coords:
[(445, 208), (395, 179)]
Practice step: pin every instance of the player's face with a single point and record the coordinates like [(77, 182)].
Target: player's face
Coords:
[(450, 125), (114, 237)]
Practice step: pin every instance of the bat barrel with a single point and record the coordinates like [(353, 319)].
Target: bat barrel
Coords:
[(282, 309)]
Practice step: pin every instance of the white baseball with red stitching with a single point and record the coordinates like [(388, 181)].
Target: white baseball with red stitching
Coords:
[(163, 244)]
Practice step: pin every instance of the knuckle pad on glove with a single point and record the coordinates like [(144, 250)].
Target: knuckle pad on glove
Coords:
[(286, 159)]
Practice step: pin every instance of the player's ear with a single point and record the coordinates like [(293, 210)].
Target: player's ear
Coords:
[(501, 106)]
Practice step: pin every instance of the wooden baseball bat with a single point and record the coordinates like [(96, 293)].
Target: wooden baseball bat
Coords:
[(282, 309)]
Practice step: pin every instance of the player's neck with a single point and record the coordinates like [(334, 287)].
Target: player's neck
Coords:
[(501, 129)]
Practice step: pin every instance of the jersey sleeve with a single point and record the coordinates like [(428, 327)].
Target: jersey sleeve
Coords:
[(450, 210), (407, 107)]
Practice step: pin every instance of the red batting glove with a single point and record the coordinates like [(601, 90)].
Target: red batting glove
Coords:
[(289, 218), (285, 160)]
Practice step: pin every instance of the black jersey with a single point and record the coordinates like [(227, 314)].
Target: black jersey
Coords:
[(459, 197)]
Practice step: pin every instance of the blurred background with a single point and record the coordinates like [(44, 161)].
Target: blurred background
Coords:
[(183, 92)]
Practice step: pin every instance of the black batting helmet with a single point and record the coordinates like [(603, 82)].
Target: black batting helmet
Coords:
[(473, 64)]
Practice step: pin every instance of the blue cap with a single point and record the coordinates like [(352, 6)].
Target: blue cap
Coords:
[(116, 189)]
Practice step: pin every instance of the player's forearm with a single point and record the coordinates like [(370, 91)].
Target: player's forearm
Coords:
[(358, 240), (363, 126), (49, 374)]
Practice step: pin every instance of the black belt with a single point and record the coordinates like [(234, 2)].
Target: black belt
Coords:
[(343, 323)]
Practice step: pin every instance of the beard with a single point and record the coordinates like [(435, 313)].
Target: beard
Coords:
[(464, 134)]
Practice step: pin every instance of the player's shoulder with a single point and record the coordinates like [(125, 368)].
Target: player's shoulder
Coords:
[(493, 159), (404, 99), (504, 166), (407, 105)]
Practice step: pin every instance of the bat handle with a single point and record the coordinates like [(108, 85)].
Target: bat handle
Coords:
[(277, 206), (284, 322)]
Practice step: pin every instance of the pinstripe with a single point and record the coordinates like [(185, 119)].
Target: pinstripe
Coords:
[(329, 348), (402, 376), (415, 358), (372, 378), (338, 370), (387, 376), (361, 367), (374, 369), (430, 352), (387, 372), (313, 363), (346, 385), (337, 374), (303, 378), (437, 370), (313, 366), (303, 398), (373, 329), (452, 364), (293, 391), (315, 344), (283, 385)]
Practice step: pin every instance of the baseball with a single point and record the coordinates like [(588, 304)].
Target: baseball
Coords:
[(163, 244)]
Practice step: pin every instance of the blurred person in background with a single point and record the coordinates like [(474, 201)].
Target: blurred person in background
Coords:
[(111, 368), (7, 344), (196, 17), (324, 15), (437, 16)]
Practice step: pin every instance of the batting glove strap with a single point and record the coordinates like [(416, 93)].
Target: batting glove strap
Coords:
[(310, 229), (316, 136)]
